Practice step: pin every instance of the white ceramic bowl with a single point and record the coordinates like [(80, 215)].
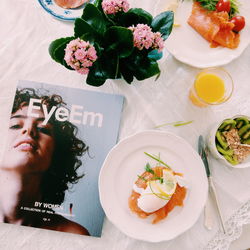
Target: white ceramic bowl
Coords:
[(212, 145)]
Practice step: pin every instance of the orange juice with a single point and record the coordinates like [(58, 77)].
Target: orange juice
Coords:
[(209, 87)]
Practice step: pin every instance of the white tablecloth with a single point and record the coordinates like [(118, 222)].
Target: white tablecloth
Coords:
[(26, 31)]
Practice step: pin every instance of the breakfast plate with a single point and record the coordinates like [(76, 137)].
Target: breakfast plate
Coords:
[(123, 165), (187, 46), (58, 12)]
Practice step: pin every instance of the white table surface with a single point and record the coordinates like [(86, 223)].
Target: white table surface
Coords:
[(26, 31)]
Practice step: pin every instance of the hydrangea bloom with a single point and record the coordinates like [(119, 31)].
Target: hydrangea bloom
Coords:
[(114, 6), (144, 37), (80, 55)]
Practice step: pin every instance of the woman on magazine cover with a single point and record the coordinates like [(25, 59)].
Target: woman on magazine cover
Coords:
[(39, 164)]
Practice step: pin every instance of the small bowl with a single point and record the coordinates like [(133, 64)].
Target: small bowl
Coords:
[(213, 150)]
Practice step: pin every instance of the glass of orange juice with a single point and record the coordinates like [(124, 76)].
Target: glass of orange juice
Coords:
[(212, 86)]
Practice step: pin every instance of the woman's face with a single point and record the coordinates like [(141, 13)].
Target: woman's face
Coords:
[(30, 145)]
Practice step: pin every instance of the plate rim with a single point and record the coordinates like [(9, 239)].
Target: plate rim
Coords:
[(107, 159), (60, 17)]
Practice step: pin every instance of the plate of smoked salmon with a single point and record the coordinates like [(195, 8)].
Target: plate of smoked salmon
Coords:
[(207, 38), (66, 10), (153, 186)]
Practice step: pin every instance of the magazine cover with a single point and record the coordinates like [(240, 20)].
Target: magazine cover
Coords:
[(57, 141)]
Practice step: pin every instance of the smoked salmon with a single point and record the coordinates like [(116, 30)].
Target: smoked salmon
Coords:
[(176, 199), (214, 26)]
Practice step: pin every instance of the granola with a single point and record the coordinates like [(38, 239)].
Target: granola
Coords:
[(233, 139)]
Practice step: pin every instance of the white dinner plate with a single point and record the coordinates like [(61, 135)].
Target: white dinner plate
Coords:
[(63, 14), (127, 160), (189, 47)]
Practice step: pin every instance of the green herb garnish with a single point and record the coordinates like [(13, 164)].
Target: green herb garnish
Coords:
[(183, 123), (142, 178), (175, 124), (149, 169), (234, 8), (159, 195), (208, 4), (157, 159), (211, 6)]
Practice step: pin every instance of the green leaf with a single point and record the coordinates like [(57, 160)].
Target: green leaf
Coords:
[(126, 73), (98, 4), (95, 18), (147, 70), (119, 39), (135, 16), (83, 30), (110, 65), (105, 67), (163, 23), (155, 55), (141, 66), (56, 48), (67, 66), (95, 75)]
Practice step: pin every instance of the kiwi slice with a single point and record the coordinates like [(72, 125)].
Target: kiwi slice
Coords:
[(227, 125), (246, 135), (225, 152), (221, 140), (247, 141), (231, 159), (241, 121), (244, 132)]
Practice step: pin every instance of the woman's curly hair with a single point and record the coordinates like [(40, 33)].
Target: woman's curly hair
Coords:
[(68, 148)]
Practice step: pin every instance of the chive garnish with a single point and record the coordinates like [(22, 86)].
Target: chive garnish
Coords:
[(149, 169), (181, 124), (175, 124), (158, 195), (142, 178), (157, 159)]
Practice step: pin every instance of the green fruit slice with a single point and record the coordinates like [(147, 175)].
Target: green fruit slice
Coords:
[(241, 121), (221, 140), (245, 129), (225, 152), (227, 125), (231, 159)]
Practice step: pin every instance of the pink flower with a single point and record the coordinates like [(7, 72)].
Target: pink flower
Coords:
[(83, 71), (114, 6), (144, 37), (80, 55), (158, 41)]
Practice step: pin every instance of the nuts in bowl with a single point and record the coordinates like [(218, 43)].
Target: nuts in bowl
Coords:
[(229, 141)]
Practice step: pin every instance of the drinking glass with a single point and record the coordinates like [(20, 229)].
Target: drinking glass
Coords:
[(215, 88)]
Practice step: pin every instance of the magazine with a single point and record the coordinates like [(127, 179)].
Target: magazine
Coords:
[(57, 141)]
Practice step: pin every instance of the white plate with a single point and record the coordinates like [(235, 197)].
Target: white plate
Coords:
[(187, 46), (63, 14), (119, 172)]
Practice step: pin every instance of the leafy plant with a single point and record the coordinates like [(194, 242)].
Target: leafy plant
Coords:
[(112, 36)]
